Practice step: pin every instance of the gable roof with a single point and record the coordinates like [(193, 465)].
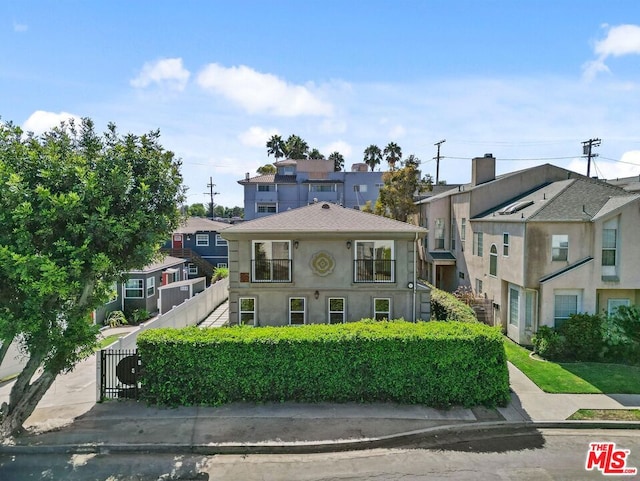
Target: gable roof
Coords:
[(200, 224), (164, 263), (269, 179), (323, 217)]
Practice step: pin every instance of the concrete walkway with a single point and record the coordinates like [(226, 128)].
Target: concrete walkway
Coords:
[(218, 318)]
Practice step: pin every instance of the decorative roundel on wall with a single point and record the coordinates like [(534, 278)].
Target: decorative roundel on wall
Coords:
[(322, 263)]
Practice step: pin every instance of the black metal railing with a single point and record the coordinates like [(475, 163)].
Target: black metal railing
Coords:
[(271, 270), (119, 374), (374, 270)]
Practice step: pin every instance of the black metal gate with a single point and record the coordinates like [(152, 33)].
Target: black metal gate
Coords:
[(119, 374)]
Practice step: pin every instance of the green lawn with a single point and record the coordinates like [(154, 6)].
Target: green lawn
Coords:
[(606, 415), (102, 343), (575, 377)]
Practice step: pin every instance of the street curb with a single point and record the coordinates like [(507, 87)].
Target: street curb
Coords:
[(430, 438)]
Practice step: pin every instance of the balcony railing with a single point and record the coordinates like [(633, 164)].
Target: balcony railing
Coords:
[(374, 270), (271, 270)]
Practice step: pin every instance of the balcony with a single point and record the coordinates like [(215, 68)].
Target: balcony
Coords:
[(374, 270), (271, 270)]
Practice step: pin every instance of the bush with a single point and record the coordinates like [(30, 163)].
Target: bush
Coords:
[(447, 307), (583, 337), (136, 316), (548, 343), (219, 273), (115, 319), (621, 334), (433, 363)]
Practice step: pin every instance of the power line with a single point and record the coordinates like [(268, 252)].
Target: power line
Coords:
[(587, 146)]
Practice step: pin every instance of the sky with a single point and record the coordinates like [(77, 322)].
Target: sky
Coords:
[(525, 80)]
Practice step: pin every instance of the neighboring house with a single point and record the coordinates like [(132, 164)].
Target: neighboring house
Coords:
[(301, 182), (542, 243), (630, 184), (199, 242), (324, 263), (141, 288)]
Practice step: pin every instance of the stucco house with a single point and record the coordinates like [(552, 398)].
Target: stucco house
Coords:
[(199, 242), (541, 244), (297, 183), (323, 263)]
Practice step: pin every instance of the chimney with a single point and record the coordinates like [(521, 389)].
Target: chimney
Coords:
[(483, 169), (246, 176)]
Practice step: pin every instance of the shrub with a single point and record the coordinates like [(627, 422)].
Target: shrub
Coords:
[(582, 337), (447, 307), (136, 316), (548, 343), (219, 273), (115, 319), (621, 334), (433, 363)]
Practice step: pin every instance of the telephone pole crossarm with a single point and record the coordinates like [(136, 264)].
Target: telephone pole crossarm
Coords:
[(587, 152), (437, 159)]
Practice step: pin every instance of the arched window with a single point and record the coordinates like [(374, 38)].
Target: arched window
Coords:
[(493, 260)]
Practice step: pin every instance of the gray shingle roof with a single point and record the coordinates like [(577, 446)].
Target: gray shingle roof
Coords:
[(200, 224), (164, 263), (270, 179), (324, 217)]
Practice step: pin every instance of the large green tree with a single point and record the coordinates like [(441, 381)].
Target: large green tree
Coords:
[(266, 169), (276, 147), (372, 156), (77, 210), (396, 198), (392, 154), (197, 210), (316, 154), (338, 161), (296, 148)]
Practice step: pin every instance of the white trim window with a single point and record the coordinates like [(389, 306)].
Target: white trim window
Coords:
[(613, 304), (247, 311), (202, 240), (134, 289), (151, 286), (610, 241), (221, 264), (463, 232), (478, 244), (478, 287), (374, 261), (266, 187), (193, 269), (439, 233), (381, 308), (514, 306), (220, 241), (566, 303), (505, 244), (271, 261), (337, 310), (493, 261), (559, 247), (297, 311), (322, 188), (266, 208)]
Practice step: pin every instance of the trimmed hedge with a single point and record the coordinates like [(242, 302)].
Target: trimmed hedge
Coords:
[(447, 307), (433, 363)]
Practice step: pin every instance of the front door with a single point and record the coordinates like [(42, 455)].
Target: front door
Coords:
[(177, 241)]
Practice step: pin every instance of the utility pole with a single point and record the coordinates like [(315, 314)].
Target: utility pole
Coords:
[(437, 158), (211, 185), (586, 152)]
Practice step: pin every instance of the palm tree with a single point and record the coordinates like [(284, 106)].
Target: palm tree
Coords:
[(296, 148), (372, 156), (392, 154), (275, 146), (315, 154), (338, 161)]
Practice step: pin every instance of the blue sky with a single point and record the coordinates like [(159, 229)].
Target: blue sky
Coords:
[(525, 80)]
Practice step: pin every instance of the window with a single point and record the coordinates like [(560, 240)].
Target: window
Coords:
[(613, 304), (453, 234), (478, 248), (559, 247), (266, 187), (439, 233), (514, 306), (360, 188), (266, 208), (493, 260), (463, 232), (381, 309), (478, 287), (193, 269), (247, 311), (322, 187), (296, 311), (336, 310), (565, 304), (202, 240), (379, 186), (271, 261), (530, 309), (374, 261), (220, 241), (609, 247), (133, 289), (505, 244), (151, 286), (221, 264)]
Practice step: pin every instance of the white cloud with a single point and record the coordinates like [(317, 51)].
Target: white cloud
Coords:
[(338, 146), (620, 40), (41, 121), (168, 72), (397, 132), (262, 93), (20, 27), (256, 136)]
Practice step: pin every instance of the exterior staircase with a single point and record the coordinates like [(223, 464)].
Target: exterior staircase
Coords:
[(203, 265)]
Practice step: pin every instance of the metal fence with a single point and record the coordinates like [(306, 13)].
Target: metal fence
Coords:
[(119, 374)]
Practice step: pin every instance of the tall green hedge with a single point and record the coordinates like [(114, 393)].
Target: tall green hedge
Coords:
[(433, 363)]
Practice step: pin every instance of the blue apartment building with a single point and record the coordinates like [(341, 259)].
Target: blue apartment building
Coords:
[(302, 182)]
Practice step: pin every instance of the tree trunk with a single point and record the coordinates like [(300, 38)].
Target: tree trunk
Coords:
[(24, 397)]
